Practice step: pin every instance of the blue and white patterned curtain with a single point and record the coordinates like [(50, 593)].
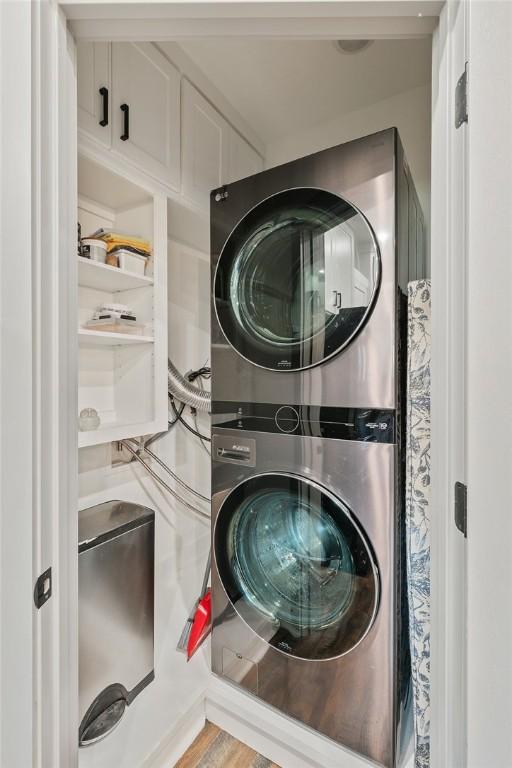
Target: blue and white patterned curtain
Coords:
[(418, 510)]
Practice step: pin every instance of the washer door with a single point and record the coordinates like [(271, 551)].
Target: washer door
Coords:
[(296, 566), (296, 279)]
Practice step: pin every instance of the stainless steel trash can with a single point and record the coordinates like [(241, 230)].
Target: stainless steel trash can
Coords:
[(116, 612)]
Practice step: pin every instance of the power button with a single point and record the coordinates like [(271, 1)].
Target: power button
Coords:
[(287, 419)]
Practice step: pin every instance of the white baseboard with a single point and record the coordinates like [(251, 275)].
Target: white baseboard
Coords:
[(272, 734), (179, 738), (279, 738)]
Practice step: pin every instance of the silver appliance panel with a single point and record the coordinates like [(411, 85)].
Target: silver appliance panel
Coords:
[(353, 699), (362, 374)]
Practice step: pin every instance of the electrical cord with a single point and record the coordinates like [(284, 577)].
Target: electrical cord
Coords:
[(162, 482), (180, 418), (202, 373), (194, 413)]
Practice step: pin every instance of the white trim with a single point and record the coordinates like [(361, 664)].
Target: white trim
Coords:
[(178, 739), (17, 672), (162, 29), (281, 739), (66, 456), (225, 9)]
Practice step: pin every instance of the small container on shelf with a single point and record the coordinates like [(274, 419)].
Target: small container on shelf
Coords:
[(89, 419), (93, 249), (131, 261)]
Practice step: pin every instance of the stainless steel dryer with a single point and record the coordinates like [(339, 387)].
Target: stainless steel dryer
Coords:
[(308, 610), (309, 261)]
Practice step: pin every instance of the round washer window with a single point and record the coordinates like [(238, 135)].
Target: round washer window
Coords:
[(296, 279), (296, 566)]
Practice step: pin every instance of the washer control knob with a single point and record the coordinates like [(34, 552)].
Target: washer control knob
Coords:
[(287, 419)]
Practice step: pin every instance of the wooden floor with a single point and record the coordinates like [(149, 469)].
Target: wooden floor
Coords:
[(214, 748)]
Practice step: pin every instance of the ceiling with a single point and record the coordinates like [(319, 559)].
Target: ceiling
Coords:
[(282, 87)]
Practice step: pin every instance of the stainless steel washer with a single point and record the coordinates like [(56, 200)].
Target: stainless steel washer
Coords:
[(308, 599)]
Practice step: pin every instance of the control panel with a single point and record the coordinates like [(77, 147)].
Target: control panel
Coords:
[(364, 424)]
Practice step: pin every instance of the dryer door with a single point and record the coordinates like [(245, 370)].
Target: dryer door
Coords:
[(296, 566), (296, 279)]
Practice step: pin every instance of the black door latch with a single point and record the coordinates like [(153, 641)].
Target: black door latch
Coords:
[(461, 508), (43, 588)]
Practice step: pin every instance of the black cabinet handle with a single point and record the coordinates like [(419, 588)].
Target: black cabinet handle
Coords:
[(126, 127), (104, 95)]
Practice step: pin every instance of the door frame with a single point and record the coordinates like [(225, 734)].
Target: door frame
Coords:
[(17, 673), (38, 667), (306, 20)]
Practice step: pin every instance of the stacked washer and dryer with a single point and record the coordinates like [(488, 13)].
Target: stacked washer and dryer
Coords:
[(310, 265)]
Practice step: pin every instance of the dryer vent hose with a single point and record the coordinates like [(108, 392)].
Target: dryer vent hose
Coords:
[(185, 391)]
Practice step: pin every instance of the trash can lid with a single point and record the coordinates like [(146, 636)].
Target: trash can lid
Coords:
[(112, 518)]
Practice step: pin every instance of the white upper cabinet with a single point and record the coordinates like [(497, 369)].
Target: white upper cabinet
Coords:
[(139, 107), (94, 90), (243, 159), (145, 110), (205, 138)]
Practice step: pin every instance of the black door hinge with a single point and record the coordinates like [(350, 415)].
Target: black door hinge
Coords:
[(461, 508), (461, 98), (43, 588)]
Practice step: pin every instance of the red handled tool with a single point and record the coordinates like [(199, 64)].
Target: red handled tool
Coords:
[(202, 624)]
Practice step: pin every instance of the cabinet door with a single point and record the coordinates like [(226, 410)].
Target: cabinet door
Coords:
[(205, 138), (94, 90), (146, 113), (243, 159)]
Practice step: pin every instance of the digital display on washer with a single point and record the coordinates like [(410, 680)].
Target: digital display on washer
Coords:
[(365, 424), (296, 566), (296, 279)]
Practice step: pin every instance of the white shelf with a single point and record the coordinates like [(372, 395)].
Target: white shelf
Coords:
[(88, 338), (103, 277)]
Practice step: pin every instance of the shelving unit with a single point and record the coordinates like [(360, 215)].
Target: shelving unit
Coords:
[(122, 375)]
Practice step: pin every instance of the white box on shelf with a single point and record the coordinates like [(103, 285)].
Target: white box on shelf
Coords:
[(131, 262)]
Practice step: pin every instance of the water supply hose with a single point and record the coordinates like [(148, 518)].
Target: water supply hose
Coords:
[(162, 482)]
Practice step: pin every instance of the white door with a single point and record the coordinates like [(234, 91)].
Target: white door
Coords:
[(94, 91), (38, 660), (146, 113), (449, 385), (489, 367), (205, 139), (243, 159)]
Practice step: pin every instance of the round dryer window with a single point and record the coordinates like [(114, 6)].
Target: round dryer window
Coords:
[(296, 279), (296, 566)]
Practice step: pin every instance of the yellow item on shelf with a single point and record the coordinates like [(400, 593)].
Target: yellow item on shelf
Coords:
[(114, 240)]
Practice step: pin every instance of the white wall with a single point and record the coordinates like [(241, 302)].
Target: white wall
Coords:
[(155, 720), (408, 111)]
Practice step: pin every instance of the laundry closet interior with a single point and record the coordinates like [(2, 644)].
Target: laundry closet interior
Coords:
[(160, 125)]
